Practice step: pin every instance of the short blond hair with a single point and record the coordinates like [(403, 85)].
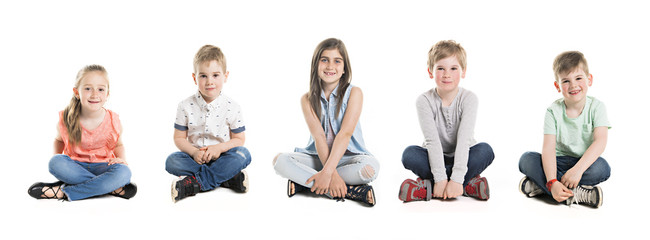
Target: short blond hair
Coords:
[(209, 53), (444, 49), (568, 62)]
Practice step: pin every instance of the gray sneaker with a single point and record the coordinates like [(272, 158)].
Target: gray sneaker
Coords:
[(529, 188), (588, 195)]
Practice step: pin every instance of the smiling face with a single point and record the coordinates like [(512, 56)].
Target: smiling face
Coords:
[(447, 72), (574, 85), (92, 91), (210, 78), (330, 67)]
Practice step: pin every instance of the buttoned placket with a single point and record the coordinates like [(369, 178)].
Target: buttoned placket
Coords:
[(330, 112)]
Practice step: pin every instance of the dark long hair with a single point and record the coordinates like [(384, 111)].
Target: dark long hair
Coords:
[(315, 83)]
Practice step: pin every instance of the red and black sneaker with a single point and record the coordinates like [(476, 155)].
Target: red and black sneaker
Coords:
[(184, 187), (415, 190), (477, 188)]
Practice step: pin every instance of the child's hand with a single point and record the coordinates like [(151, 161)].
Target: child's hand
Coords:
[(560, 192), (321, 182), (439, 189), (212, 152), (571, 178), (452, 190), (198, 156), (337, 186), (116, 160)]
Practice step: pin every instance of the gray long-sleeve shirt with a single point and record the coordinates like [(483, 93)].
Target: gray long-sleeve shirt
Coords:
[(448, 130)]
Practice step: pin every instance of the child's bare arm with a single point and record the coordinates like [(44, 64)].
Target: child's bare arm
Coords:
[(181, 142), (571, 178), (549, 163), (548, 157), (120, 156), (58, 143), (315, 129)]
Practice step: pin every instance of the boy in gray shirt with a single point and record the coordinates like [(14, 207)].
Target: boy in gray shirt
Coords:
[(449, 162)]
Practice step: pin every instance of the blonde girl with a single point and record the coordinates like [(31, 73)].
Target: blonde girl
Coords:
[(335, 162), (89, 155)]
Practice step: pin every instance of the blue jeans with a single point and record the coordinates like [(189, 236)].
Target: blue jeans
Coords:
[(83, 180), (530, 164), (416, 159), (212, 174)]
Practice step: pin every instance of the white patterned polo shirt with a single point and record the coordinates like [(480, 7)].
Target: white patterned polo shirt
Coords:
[(208, 124)]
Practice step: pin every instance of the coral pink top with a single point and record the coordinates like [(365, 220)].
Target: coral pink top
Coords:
[(96, 145)]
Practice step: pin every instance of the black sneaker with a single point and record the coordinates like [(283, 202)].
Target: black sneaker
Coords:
[(360, 193), (238, 183), (184, 187), (128, 191), (588, 195), (529, 188), (37, 190), (293, 188)]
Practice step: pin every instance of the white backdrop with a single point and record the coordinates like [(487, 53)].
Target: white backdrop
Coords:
[(148, 48)]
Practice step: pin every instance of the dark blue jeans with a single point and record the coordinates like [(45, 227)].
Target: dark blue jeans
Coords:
[(416, 159), (530, 164), (212, 174)]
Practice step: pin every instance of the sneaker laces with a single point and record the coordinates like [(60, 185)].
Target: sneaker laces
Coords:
[(188, 185), (470, 189), (580, 195), (420, 190)]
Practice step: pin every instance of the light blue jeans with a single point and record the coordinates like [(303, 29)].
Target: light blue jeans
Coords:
[(530, 164), (212, 174), (299, 167), (83, 180)]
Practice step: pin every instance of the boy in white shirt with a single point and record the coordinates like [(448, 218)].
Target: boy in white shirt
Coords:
[(209, 131)]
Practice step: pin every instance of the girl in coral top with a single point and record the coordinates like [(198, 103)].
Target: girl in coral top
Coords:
[(89, 155)]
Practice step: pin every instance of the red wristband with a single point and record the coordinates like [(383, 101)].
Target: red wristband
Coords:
[(549, 184)]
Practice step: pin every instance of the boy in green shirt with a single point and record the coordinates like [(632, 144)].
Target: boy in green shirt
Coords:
[(575, 135)]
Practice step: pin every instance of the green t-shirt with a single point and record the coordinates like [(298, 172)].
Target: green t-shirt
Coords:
[(574, 135)]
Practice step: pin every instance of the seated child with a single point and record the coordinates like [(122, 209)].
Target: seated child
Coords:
[(335, 162), (575, 135), (449, 158), (209, 131), (89, 155)]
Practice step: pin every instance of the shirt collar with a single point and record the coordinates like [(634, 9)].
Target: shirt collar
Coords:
[(204, 105), (335, 92)]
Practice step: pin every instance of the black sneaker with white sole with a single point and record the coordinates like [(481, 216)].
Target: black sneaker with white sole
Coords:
[(238, 183)]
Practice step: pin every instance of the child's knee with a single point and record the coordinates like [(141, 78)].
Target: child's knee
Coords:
[(368, 172), (275, 159), (529, 160), (485, 150), (58, 163), (242, 152), (122, 173), (171, 162), (599, 169), (409, 155), (281, 162)]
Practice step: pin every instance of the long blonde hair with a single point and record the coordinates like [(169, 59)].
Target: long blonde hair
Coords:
[(73, 110), (315, 84)]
